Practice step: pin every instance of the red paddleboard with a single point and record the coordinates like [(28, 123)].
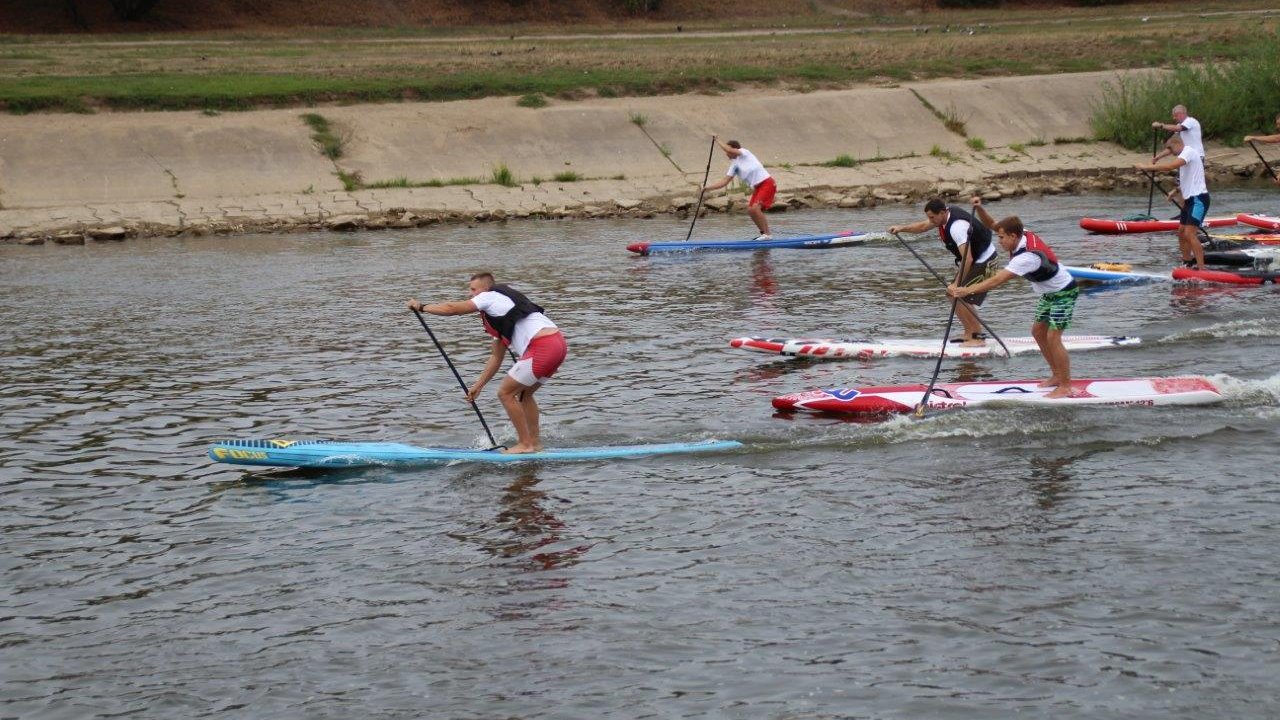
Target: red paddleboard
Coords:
[(1259, 220), (1115, 227), (1242, 277), (903, 398)]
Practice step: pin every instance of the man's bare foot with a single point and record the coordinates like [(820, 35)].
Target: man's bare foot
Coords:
[(1051, 382), (974, 342), (519, 449), (1061, 392)]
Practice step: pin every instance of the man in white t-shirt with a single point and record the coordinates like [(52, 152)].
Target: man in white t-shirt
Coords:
[(970, 243), (1058, 293), (1187, 127), (1194, 193), (749, 170), (514, 322)]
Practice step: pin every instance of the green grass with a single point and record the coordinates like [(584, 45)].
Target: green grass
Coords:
[(502, 175), (976, 143), (350, 180), (845, 161), (1019, 148), (322, 134), (638, 120), (567, 176), (938, 152), (1037, 142), (1229, 100), (533, 100), (1070, 140)]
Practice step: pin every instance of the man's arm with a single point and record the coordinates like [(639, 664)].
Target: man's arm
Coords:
[(912, 228), (496, 355), (994, 281), (1173, 164), (461, 307), (1263, 138), (980, 212), (719, 183)]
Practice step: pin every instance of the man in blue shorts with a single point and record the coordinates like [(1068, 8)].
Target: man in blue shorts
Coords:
[(1189, 162), (1058, 293)]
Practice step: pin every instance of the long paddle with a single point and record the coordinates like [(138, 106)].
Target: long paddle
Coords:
[(462, 384), (1204, 235), (702, 189), (1151, 191), (986, 327), (1265, 164), (946, 338)]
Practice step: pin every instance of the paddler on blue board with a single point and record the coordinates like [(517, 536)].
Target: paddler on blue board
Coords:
[(749, 170), (1194, 192), (515, 322), (970, 243), (1032, 259)]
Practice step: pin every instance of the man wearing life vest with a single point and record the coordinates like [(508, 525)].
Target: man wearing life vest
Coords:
[(1189, 162), (970, 242), (749, 170), (514, 322), (1058, 293)]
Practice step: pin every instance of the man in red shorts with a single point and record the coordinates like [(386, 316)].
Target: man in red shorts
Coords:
[(748, 169), (513, 321)]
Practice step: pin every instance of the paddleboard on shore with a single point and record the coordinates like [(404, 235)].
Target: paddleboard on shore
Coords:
[(803, 242), (327, 454), (1118, 227), (1140, 392), (864, 349)]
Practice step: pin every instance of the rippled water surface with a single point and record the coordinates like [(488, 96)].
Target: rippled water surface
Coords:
[(989, 563)]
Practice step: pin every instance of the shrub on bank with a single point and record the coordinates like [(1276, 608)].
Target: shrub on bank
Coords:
[(1230, 100)]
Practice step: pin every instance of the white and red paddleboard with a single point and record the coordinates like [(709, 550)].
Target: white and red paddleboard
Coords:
[(1260, 220), (1116, 227), (903, 398), (1239, 277), (864, 349)]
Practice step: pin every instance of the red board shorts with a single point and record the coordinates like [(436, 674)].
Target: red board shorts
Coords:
[(540, 360), (763, 194)]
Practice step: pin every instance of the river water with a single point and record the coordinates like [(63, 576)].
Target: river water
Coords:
[(1052, 563)]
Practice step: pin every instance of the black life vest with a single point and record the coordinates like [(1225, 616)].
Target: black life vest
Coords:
[(1048, 268), (979, 235), (504, 326)]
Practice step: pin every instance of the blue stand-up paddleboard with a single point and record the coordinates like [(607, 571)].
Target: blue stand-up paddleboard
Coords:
[(803, 242), (325, 454)]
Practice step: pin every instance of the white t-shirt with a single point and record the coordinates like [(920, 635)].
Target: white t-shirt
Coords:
[(1191, 134), (495, 304), (1191, 175), (748, 169), (1026, 262), (960, 234)]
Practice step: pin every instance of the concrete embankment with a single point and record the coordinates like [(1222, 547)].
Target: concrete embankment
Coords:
[(108, 176)]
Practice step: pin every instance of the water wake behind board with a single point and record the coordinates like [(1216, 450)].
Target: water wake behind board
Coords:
[(803, 242), (863, 349), (328, 454), (1193, 390)]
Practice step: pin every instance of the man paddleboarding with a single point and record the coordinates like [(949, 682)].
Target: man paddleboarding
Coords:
[(970, 243), (749, 170), (1187, 128), (515, 322), (1267, 139), (1031, 258), (1194, 192)]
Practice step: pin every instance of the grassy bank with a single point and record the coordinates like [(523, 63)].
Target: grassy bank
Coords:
[(1230, 100), (228, 73)]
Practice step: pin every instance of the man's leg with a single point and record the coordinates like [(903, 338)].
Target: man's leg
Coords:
[(971, 325), (757, 215), (509, 394), (1193, 243), (531, 416), (1059, 362)]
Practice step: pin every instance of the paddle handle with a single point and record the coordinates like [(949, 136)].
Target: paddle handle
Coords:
[(1155, 147), (456, 374), (702, 189)]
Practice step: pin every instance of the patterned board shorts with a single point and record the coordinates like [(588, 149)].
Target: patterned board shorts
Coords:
[(1055, 308)]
